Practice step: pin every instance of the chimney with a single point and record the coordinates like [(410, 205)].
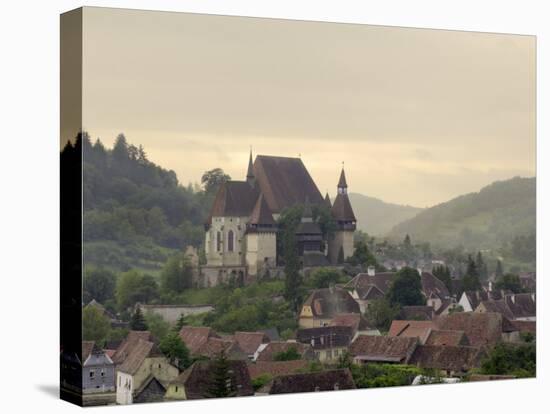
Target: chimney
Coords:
[(371, 271), (490, 286), (513, 298)]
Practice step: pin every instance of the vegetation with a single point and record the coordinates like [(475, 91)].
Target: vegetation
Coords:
[(137, 323), (443, 273), (383, 375), (133, 287), (260, 381), (509, 282), (174, 349), (220, 381), (99, 284), (177, 274), (378, 217), (363, 257), (499, 217), (325, 277), (95, 325), (471, 281), (156, 324), (406, 289), (508, 359), (290, 354), (381, 313)]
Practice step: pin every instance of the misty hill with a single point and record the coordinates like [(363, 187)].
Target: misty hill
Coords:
[(377, 217), (496, 215)]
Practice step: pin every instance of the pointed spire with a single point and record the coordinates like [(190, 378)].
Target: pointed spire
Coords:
[(327, 200), (342, 182), (250, 172)]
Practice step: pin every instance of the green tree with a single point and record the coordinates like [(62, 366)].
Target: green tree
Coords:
[(381, 313), (481, 267), (120, 149), (324, 277), (221, 383), (291, 354), (509, 282), (95, 325), (137, 323), (213, 179), (443, 273), (508, 359), (406, 289), (362, 256), (289, 221), (174, 349), (177, 274), (471, 281), (133, 287), (156, 324), (100, 284), (498, 271)]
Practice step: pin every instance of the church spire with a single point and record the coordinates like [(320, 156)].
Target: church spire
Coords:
[(250, 179), (342, 184)]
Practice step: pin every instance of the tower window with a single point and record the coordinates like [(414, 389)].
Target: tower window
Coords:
[(230, 240), (218, 241)]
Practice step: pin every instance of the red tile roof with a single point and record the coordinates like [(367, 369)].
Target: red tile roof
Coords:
[(196, 336), (250, 341), (383, 348), (482, 329), (411, 329), (276, 368)]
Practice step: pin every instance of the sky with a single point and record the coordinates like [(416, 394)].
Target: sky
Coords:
[(417, 116)]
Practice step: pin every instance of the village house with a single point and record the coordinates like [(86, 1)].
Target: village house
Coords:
[(242, 230), (528, 281), (249, 342), (98, 375), (330, 380), (411, 329), (470, 299), (522, 305), (481, 329), (356, 321), (384, 349), (269, 351), (443, 337), (194, 337), (370, 286), (328, 342), (322, 305), (418, 313), (196, 382), (274, 369), (134, 376), (214, 346), (449, 360)]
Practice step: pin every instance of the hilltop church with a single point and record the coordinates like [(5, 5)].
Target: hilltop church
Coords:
[(241, 231)]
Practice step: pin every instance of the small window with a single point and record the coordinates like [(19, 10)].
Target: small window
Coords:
[(159, 366), (230, 241), (176, 388), (218, 241), (92, 374)]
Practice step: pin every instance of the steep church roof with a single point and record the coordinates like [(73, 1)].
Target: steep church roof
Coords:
[(261, 215), (327, 201), (284, 182), (341, 209), (234, 199), (342, 181)]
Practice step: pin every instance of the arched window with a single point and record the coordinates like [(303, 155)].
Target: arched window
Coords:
[(230, 239), (219, 241)]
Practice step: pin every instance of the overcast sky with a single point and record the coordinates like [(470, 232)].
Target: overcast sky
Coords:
[(418, 116)]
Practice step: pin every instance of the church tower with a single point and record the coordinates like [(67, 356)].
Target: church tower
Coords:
[(341, 245), (250, 178)]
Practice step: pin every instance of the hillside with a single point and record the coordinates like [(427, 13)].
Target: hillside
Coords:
[(491, 218), (377, 217)]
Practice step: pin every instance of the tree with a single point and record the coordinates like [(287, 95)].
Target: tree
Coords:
[(509, 282), (362, 256), (324, 277), (120, 149), (406, 289), (498, 271), (221, 384), (99, 283), (174, 349), (407, 242), (137, 323), (156, 324), (470, 281), (291, 354), (443, 273), (180, 323), (381, 313), (95, 325), (508, 359), (213, 179), (177, 274), (481, 267), (289, 221), (133, 287)]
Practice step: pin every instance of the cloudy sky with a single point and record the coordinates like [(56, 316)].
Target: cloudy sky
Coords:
[(418, 116)]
